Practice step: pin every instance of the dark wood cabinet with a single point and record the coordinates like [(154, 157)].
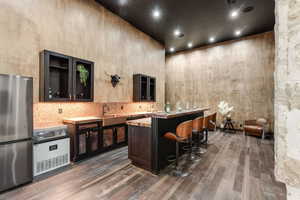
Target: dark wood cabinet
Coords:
[(121, 135), (108, 137), (65, 78), (89, 139), (144, 88), (114, 136), (86, 139), (140, 146)]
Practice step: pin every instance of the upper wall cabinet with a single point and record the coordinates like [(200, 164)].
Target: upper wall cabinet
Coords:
[(144, 88), (65, 78)]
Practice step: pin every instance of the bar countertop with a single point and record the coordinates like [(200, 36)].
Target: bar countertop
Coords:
[(173, 114), (144, 122)]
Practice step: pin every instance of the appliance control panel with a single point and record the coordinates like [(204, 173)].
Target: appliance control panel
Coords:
[(48, 134)]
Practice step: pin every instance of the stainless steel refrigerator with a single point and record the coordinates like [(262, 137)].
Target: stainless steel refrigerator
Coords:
[(16, 124)]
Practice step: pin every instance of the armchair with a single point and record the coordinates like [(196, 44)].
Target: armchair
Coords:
[(255, 127)]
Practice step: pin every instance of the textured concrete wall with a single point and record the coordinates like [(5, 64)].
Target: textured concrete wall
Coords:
[(80, 28), (287, 95), (239, 72)]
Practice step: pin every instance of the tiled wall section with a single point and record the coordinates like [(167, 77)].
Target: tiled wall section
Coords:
[(122, 108), (48, 113)]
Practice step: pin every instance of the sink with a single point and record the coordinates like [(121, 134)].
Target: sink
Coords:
[(110, 120)]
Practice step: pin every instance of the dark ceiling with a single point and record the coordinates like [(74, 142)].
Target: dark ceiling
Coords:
[(198, 20)]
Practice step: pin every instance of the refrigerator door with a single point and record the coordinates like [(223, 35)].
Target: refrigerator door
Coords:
[(15, 164), (16, 112)]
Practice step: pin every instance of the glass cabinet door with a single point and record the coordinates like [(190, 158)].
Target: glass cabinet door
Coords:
[(94, 141), (82, 143), (144, 88), (121, 134), (83, 81), (108, 137), (152, 88), (58, 77)]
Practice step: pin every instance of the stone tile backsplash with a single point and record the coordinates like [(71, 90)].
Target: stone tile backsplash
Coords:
[(56, 112)]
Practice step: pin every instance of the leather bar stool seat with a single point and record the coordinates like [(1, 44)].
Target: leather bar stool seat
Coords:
[(183, 135)]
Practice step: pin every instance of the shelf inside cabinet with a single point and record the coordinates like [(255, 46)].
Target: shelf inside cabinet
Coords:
[(58, 67)]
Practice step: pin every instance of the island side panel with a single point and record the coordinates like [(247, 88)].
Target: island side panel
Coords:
[(162, 147), (140, 146)]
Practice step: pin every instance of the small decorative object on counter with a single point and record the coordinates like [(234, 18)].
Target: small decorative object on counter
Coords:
[(187, 106), (83, 74), (167, 107), (179, 108), (195, 106)]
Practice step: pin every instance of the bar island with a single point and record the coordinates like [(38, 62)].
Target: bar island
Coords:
[(147, 148)]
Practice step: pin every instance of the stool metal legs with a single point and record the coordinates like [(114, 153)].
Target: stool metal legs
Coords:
[(198, 148), (178, 172)]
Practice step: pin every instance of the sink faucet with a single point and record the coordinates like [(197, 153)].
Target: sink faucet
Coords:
[(105, 109)]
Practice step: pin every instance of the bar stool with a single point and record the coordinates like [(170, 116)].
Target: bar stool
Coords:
[(183, 135), (198, 130)]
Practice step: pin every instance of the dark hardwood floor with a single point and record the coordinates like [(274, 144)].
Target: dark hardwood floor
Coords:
[(234, 167)]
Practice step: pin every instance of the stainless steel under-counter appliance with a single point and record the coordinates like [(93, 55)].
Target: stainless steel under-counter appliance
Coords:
[(16, 124), (51, 149)]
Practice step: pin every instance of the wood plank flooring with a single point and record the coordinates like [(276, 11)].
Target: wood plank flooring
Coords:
[(234, 167)]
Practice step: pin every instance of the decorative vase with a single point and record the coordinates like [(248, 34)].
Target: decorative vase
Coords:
[(167, 107)]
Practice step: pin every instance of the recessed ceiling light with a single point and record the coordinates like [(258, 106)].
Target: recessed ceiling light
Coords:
[(172, 49), (190, 45), (211, 39), (234, 14), (156, 14), (123, 2), (238, 32), (177, 32), (248, 9)]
